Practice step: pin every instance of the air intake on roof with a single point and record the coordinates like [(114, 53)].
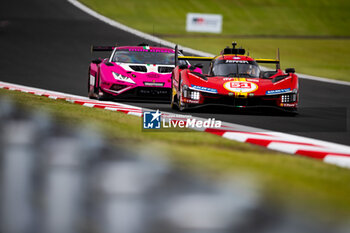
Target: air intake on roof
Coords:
[(233, 50)]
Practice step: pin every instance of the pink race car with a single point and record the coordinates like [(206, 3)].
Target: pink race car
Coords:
[(132, 72)]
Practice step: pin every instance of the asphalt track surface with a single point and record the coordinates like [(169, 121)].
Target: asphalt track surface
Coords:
[(46, 44)]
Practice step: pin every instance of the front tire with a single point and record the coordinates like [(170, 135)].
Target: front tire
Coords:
[(95, 90), (173, 104), (181, 107)]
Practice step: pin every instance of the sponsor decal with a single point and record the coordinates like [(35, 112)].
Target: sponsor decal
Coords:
[(152, 120), (185, 100), (252, 79), (154, 92), (288, 105), (148, 49), (153, 84), (274, 92), (152, 75), (123, 78), (236, 61), (240, 86), (236, 58), (204, 89)]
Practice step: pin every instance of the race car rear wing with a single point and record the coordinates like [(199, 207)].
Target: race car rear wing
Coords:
[(270, 61), (189, 58), (273, 61), (98, 48), (194, 58)]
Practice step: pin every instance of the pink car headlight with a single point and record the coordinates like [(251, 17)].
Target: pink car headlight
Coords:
[(122, 78)]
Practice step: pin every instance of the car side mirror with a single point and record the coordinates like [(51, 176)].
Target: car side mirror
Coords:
[(290, 70), (109, 63), (199, 65), (96, 61)]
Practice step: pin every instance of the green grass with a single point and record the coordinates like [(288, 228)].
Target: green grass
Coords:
[(240, 17), (301, 183), (320, 57)]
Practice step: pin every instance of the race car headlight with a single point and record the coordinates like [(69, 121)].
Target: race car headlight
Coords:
[(190, 94), (195, 95), (288, 98), (122, 78), (285, 98), (118, 76)]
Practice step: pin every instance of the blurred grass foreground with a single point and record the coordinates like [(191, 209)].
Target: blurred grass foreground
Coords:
[(60, 179)]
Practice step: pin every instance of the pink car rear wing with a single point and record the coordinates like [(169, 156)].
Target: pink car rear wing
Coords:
[(98, 48)]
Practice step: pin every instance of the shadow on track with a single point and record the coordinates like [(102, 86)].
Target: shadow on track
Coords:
[(256, 111)]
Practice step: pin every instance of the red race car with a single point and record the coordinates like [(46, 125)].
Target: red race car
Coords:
[(234, 79)]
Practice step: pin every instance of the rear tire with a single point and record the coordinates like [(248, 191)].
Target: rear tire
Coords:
[(91, 88), (173, 105)]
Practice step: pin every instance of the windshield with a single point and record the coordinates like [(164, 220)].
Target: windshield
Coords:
[(165, 57), (233, 68)]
